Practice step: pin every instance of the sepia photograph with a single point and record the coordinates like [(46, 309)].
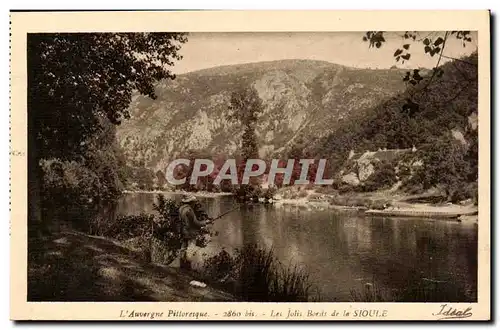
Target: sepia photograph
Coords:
[(257, 167)]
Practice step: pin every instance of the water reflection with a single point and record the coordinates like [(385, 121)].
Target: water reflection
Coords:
[(342, 251)]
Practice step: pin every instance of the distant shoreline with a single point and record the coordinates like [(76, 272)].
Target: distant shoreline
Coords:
[(394, 209), (179, 192), (397, 209)]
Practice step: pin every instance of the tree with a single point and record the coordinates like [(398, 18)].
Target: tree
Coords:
[(245, 106), (444, 163), (384, 176), (435, 103), (160, 179), (76, 78), (77, 82)]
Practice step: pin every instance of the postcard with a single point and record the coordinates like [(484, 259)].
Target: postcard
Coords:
[(250, 165)]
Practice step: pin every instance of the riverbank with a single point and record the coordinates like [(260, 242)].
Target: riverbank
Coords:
[(380, 203), (451, 211), (204, 194), (73, 266)]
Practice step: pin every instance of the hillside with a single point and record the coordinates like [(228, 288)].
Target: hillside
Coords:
[(304, 101), (441, 130), (447, 106), (317, 109)]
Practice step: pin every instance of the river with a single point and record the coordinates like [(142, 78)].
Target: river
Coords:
[(344, 251)]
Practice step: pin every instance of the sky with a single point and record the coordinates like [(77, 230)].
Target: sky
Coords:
[(205, 50)]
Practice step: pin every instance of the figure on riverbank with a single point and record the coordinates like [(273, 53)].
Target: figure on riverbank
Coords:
[(193, 218)]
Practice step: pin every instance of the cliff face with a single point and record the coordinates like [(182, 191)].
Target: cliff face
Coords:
[(303, 100)]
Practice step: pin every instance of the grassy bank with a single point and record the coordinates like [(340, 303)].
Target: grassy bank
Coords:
[(72, 266)]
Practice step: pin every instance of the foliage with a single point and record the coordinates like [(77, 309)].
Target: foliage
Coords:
[(73, 190), (246, 106), (77, 78), (160, 180), (384, 176), (269, 192), (80, 86), (433, 43), (67, 194), (219, 266), (445, 164), (128, 226), (446, 105), (258, 276), (471, 155), (168, 228), (243, 192), (162, 229), (138, 177), (186, 171)]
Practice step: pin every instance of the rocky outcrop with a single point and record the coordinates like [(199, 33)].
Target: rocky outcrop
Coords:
[(359, 168)]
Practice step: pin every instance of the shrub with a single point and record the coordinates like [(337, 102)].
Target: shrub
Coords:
[(253, 192), (446, 163), (462, 191), (161, 230), (73, 193), (167, 232), (242, 192), (219, 266), (128, 226), (256, 275), (359, 202), (383, 177), (269, 192)]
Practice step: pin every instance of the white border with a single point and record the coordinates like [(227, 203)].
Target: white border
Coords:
[(256, 4)]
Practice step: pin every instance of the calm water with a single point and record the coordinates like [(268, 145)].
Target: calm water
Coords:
[(343, 251)]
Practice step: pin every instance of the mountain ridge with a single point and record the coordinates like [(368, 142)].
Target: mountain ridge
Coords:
[(232, 68), (301, 98)]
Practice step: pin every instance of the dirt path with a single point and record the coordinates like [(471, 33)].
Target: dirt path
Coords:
[(72, 266)]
